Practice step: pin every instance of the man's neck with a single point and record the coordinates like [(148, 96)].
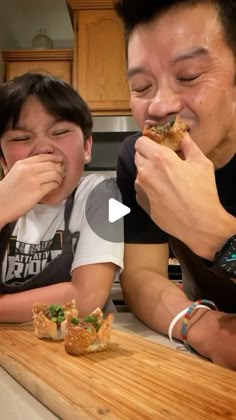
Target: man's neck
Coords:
[(223, 153)]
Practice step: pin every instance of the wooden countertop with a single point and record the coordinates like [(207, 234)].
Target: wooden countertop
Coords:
[(16, 402)]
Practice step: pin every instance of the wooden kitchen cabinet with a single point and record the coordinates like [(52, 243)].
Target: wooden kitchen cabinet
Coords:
[(99, 57), (58, 62)]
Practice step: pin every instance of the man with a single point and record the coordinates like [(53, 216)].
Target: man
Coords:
[(48, 251), (181, 61)]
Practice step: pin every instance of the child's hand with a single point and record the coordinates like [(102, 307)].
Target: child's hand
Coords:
[(27, 182)]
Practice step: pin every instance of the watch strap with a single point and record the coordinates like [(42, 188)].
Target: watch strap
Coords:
[(226, 257)]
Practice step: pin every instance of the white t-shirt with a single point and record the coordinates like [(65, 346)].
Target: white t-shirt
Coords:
[(38, 236)]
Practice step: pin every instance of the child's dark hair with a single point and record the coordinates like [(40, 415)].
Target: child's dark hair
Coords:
[(57, 97), (134, 12)]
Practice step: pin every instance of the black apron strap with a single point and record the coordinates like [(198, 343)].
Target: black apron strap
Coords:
[(56, 271), (5, 235)]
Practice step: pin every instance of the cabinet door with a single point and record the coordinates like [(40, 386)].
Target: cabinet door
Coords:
[(60, 69), (100, 59)]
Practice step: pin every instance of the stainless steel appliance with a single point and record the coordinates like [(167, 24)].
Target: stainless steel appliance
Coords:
[(108, 134)]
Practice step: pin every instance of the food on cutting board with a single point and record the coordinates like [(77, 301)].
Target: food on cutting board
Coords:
[(80, 335), (89, 334), (49, 321)]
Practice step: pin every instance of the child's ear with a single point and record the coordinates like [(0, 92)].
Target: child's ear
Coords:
[(88, 149), (3, 165)]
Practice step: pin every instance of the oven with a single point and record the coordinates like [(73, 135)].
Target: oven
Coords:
[(108, 134)]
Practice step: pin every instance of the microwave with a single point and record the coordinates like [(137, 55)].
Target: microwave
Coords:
[(108, 133)]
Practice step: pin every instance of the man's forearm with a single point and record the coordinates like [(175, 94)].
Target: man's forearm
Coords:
[(154, 300)]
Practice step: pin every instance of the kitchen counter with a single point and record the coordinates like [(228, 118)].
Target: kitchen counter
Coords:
[(16, 403)]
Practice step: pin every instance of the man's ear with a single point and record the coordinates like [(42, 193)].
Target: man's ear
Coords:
[(88, 149)]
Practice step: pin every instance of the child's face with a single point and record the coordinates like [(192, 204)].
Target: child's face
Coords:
[(39, 132)]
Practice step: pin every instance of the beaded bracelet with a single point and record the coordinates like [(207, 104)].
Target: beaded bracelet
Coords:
[(178, 317), (188, 315)]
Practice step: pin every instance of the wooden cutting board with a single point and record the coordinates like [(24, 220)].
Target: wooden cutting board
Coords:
[(133, 379)]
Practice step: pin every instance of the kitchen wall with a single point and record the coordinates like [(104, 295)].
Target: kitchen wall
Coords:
[(6, 39), (20, 21)]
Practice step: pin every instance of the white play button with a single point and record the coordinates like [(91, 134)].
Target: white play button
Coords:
[(116, 210), (103, 208)]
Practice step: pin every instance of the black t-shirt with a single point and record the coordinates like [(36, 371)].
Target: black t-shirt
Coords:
[(200, 282)]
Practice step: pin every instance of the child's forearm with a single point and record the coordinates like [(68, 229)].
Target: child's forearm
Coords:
[(17, 307), (90, 287), (3, 220)]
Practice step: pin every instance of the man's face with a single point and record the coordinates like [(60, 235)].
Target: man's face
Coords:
[(39, 132), (181, 64)]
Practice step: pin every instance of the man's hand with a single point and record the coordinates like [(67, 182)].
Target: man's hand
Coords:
[(214, 336), (182, 195), (27, 182)]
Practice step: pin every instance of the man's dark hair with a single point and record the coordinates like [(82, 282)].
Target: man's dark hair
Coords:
[(134, 12), (57, 97)]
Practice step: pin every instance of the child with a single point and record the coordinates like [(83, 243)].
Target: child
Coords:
[(48, 252)]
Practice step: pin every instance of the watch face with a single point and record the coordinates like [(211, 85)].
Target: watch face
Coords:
[(227, 257)]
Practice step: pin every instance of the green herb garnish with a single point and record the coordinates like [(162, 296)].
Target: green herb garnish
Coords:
[(89, 329), (92, 320), (54, 319), (60, 319), (55, 308), (161, 128), (74, 321)]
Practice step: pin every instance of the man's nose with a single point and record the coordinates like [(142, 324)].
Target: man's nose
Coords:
[(166, 101)]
